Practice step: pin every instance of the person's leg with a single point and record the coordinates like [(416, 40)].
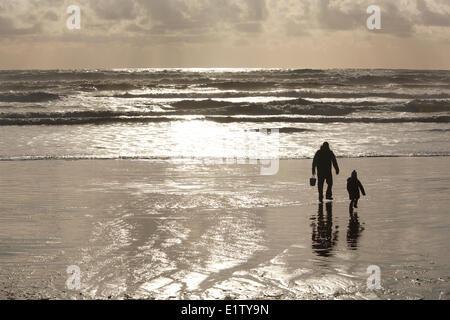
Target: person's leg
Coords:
[(355, 203), (329, 179), (320, 181)]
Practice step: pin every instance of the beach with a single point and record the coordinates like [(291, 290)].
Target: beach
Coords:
[(165, 150), (190, 229)]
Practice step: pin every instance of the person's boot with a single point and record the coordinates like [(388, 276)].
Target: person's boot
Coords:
[(329, 198)]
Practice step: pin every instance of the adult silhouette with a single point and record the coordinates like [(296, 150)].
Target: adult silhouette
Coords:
[(323, 160)]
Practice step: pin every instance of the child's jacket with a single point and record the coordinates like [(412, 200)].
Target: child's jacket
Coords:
[(353, 187)]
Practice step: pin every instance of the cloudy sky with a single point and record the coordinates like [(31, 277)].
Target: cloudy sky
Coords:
[(225, 33)]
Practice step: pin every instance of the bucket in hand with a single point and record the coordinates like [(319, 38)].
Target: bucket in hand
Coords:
[(312, 181)]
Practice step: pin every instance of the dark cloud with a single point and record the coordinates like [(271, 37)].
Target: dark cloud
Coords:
[(115, 9), (135, 28), (251, 27), (431, 18), (7, 28), (394, 22), (331, 16), (50, 16), (256, 9), (334, 18), (170, 14), (224, 18)]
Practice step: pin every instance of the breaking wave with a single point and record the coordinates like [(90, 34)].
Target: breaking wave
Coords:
[(294, 110), (425, 106), (118, 117)]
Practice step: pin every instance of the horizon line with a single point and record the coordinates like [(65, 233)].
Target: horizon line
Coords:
[(218, 68)]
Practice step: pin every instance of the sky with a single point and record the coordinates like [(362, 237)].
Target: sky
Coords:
[(414, 34)]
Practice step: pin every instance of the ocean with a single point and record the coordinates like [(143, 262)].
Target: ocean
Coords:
[(111, 176), (194, 113)]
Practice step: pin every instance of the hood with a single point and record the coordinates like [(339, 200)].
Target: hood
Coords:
[(325, 146), (354, 174)]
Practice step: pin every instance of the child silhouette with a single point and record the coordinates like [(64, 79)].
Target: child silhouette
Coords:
[(353, 188)]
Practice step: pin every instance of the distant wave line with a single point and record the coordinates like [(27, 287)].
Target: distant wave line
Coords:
[(219, 119)]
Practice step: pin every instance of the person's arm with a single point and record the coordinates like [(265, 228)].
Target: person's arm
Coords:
[(335, 164), (360, 186), (314, 164)]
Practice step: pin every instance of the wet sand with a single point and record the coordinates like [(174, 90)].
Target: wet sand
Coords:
[(193, 230)]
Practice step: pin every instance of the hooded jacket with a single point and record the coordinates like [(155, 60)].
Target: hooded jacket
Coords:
[(323, 159), (354, 186)]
